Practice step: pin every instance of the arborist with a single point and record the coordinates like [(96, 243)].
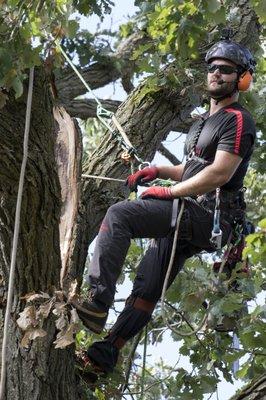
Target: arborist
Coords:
[(218, 147)]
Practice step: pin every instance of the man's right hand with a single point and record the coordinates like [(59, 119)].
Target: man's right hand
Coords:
[(143, 176)]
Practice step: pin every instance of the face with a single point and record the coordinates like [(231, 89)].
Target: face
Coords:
[(220, 83)]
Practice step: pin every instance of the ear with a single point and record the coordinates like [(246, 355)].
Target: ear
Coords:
[(244, 81)]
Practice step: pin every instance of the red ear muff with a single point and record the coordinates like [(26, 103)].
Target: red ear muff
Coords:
[(244, 81)]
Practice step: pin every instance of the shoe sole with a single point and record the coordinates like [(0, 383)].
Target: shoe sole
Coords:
[(87, 312)]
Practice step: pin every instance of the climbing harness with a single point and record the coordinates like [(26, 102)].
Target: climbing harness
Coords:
[(16, 234), (130, 151)]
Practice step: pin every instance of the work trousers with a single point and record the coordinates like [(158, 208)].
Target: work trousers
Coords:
[(149, 218)]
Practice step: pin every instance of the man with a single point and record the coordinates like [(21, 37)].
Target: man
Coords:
[(219, 146)]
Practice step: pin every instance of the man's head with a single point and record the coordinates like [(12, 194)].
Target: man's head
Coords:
[(230, 68), (222, 78)]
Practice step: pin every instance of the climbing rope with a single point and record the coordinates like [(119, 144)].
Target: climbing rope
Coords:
[(166, 280), (103, 114), (16, 234)]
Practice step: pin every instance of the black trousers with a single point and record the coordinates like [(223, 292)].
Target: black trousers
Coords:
[(146, 219)]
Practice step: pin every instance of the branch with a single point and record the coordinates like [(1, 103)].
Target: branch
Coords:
[(101, 73), (167, 154), (255, 390), (86, 108)]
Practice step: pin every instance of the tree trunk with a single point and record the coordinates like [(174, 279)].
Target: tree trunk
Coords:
[(256, 390), (40, 371)]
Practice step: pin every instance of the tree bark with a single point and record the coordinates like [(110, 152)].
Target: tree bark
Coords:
[(41, 371), (256, 390)]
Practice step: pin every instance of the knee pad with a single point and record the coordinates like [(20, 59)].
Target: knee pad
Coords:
[(133, 318)]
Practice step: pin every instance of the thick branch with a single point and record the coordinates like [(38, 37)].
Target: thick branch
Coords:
[(170, 156), (116, 65), (86, 108)]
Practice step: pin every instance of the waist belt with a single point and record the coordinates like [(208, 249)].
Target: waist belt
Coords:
[(229, 199), (232, 204)]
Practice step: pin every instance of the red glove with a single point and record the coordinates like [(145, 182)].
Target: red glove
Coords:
[(157, 192), (145, 175)]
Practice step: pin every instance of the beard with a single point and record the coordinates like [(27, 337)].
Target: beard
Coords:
[(224, 89)]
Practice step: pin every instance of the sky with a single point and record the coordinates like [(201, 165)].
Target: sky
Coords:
[(168, 350)]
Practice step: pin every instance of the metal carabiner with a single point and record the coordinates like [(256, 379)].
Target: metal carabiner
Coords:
[(144, 164)]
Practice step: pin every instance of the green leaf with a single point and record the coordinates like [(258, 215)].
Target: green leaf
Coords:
[(260, 8), (213, 5), (262, 223), (72, 28), (17, 86)]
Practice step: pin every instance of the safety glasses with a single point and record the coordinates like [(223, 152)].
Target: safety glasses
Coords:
[(224, 69)]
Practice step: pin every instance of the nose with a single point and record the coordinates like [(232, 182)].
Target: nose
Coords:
[(217, 71)]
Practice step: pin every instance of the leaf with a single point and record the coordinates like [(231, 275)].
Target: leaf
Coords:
[(213, 5), (262, 223), (35, 296), (30, 335), (27, 318), (61, 322), (45, 309), (72, 28), (17, 86), (65, 337), (59, 308)]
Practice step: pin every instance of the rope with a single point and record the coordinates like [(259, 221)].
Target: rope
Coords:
[(166, 280), (104, 178), (103, 113), (16, 234)]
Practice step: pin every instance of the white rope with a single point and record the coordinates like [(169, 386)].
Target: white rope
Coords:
[(16, 234), (104, 178), (166, 280)]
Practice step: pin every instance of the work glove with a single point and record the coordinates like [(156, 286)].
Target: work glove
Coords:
[(143, 176), (157, 192)]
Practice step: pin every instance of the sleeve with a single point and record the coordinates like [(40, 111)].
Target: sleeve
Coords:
[(237, 134)]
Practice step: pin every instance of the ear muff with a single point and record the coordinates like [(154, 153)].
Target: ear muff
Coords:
[(244, 81)]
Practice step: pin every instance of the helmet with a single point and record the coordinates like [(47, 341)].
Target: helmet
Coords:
[(233, 52)]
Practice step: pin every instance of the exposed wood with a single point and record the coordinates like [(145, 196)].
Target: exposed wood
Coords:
[(68, 158)]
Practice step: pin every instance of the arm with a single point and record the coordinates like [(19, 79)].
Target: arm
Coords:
[(173, 172), (211, 177)]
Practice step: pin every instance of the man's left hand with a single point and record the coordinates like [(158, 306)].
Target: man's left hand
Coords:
[(157, 192)]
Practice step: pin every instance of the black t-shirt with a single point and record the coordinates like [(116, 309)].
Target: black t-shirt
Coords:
[(231, 129)]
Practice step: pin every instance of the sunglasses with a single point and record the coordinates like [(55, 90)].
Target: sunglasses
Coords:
[(223, 69)]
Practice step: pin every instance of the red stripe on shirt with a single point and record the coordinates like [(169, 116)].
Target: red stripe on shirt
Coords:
[(239, 128)]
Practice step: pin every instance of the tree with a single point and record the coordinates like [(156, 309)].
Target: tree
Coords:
[(167, 40)]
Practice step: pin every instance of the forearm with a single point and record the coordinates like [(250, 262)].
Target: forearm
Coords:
[(205, 181), (171, 172)]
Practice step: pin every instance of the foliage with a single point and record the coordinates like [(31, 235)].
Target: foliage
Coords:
[(28, 30)]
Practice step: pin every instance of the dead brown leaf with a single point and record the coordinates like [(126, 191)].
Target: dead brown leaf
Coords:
[(45, 309), (27, 318), (30, 335), (65, 338)]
